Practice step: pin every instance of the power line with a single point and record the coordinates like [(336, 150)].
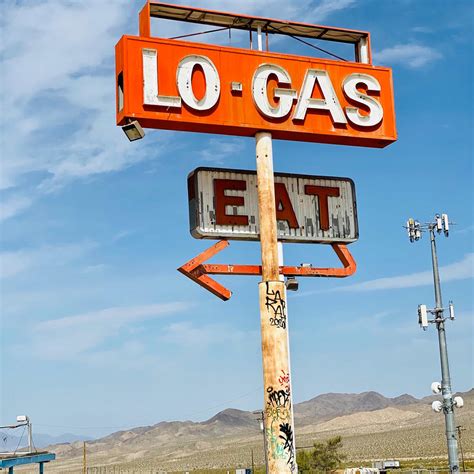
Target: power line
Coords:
[(225, 403), (125, 427), (84, 427)]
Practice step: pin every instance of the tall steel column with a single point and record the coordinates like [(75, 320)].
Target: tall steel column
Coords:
[(448, 406), (415, 229)]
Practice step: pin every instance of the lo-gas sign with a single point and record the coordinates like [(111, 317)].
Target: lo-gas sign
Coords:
[(179, 85)]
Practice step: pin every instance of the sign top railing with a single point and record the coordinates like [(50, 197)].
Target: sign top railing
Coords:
[(156, 9)]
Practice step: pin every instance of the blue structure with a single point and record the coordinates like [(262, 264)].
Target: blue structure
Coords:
[(11, 460)]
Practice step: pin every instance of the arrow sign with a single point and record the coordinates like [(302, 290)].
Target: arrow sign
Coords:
[(195, 270), (198, 271)]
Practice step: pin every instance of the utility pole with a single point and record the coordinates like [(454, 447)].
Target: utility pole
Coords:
[(460, 430), (279, 433), (84, 459), (415, 229), (262, 429), (278, 422), (30, 436)]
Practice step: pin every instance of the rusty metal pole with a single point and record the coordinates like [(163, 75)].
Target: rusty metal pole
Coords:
[(278, 406)]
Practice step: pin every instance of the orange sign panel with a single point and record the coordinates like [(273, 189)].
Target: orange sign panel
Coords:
[(178, 85)]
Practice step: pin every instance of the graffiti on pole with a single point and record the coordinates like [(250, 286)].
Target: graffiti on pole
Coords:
[(277, 449), (286, 435), (278, 398), (278, 414), (276, 305), (284, 380)]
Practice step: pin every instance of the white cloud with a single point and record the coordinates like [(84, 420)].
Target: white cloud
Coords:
[(422, 29), (12, 263), (188, 335), (57, 66), (461, 270), (123, 234), (219, 149), (374, 323), (13, 206), (327, 7), (16, 262), (78, 334), (411, 54), (131, 355), (95, 268), (465, 230)]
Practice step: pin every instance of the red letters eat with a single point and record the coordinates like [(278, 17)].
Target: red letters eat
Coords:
[(222, 200), (323, 193), (284, 207)]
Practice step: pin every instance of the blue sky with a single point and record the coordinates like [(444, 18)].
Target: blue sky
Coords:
[(99, 330)]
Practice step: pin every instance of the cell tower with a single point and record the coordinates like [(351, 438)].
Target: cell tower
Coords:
[(415, 230)]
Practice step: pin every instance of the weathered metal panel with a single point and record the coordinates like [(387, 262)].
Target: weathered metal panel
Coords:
[(341, 210)]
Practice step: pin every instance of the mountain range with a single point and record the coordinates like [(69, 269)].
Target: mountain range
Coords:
[(372, 426)]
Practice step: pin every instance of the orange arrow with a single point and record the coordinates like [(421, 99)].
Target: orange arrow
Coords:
[(198, 271), (194, 270)]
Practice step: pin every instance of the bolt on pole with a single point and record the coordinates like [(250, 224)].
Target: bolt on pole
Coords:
[(448, 406), (278, 406)]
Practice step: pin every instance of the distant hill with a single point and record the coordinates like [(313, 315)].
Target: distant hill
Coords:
[(234, 423), (372, 426), (327, 406)]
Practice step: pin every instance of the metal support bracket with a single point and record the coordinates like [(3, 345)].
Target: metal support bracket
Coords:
[(198, 271), (157, 9)]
